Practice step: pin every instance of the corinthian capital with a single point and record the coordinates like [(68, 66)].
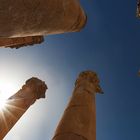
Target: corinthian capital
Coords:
[(89, 80)]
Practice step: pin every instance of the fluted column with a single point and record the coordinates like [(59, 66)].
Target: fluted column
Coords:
[(79, 119), (17, 104)]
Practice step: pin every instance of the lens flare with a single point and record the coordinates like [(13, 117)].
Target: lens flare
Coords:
[(2, 103), (6, 90)]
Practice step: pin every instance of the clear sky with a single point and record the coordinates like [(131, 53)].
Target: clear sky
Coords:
[(109, 45)]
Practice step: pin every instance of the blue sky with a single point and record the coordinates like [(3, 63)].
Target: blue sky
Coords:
[(109, 45)]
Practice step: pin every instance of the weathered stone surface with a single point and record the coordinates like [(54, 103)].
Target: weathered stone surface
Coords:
[(17, 104), (20, 41), (21, 18), (79, 119)]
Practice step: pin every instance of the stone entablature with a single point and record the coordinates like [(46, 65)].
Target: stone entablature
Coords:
[(20, 41)]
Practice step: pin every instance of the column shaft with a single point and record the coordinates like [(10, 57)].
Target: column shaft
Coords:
[(79, 119)]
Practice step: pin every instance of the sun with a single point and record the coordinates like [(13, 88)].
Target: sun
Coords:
[(6, 90), (2, 103)]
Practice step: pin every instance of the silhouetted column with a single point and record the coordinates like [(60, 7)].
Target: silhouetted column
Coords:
[(17, 104), (20, 18), (138, 8), (79, 119)]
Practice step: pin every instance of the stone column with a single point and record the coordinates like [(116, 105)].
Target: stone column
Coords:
[(20, 18), (17, 104), (79, 119), (138, 9)]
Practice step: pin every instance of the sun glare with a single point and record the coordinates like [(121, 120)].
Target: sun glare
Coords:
[(2, 103), (6, 90)]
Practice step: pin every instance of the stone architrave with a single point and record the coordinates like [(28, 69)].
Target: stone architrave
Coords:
[(20, 41), (79, 118), (22, 18), (17, 104)]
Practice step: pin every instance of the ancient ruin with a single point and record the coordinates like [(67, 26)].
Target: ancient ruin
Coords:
[(17, 104), (79, 119), (27, 20)]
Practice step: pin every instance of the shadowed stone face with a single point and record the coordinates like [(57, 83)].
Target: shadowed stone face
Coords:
[(20, 41), (30, 4), (70, 137)]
